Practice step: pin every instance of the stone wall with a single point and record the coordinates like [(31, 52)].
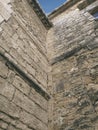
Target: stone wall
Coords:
[(73, 52), (21, 106), (35, 61), (23, 68), (23, 36)]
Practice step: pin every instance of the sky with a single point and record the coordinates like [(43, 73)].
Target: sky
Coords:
[(49, 5), (96, 15)]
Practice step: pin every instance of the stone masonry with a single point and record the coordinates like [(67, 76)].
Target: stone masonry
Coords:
[(23, 67), (48, 66), (72, 46)]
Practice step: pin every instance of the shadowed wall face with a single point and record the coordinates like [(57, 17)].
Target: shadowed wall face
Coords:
[(73, 53)]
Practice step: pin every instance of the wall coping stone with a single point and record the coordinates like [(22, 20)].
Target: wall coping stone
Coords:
[(67, 5), (62, 8), (38, 10)]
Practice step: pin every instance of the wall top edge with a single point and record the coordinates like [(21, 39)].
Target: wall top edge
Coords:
[(42, 16), (67, 5)]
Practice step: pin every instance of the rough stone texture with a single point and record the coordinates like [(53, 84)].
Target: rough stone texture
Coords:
[(37, 64), (24, 37), (72, 46), (19, 108), (22, 42)]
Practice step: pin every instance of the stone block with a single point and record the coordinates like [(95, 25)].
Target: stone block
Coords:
[(1, 19), (0, 29), (31, 70), (20, 84), (3, 125), (5, 39), (6, 118), (11, 127), (5, 14), (32, 121), (37, 98), (3, 70), (11, 76), (7, 90), (8, 29), (21, 126), (25, 103), (9, 108)]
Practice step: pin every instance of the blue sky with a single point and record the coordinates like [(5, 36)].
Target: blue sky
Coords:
[(49, 5), (96, 15)]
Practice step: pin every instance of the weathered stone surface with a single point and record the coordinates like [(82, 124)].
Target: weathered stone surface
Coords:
[(15, 90), (3, 70), (3, 125), (7, 90), (6, 118), (38, 99), (25, 103), (12, 128), (1, 19), (4, 12), (21, 85), (9, 108), (31, 121), (72, 46), (23, 37), (62, 61)]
